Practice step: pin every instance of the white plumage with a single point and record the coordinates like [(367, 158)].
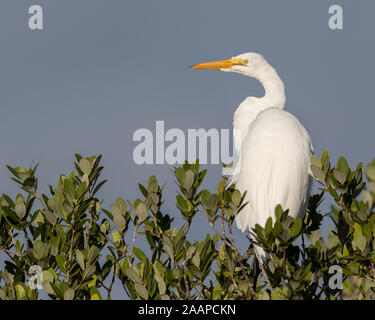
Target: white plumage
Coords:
[(274, 148), (275, 157)]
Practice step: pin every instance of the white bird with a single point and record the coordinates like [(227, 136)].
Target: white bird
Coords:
[(274, 148)]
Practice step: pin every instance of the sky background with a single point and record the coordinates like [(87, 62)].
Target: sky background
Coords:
[(100, 70)]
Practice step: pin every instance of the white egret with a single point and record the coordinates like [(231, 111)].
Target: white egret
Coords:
[(274, 148)]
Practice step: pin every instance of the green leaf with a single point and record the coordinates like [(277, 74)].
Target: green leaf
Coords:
[(285, 235), (152, 184), (141, 291), (47, 276), (213, 202), (324, 156), (236, 197), (317, 172), (85, 165), (159, 268), (360, 241), (161, 284), (154, 197), (29, 184), (278, 228), (115, 209), (333, 193), (168, 246), (89, 270), (95, 294), (316, 162), (221, 186), (15, 172), (119, 221), (188, 179), (339, 175), (343, 165), (143, 190), (296, 228), (51, 218), (314, 236), (69, 294), (216, 293), (20, 291), (61, 262), (92, 255), (133, 275), (80, 259), (370, 172), (141, 212), (8, 277), (40, 250), (20, 209), (57, 291), (121, 205), (116, 237), (205, 196), (52, 203), (69, 187), (139, 254), (268, 226), (278, 212)]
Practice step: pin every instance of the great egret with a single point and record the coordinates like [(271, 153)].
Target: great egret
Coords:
[(274, 148)]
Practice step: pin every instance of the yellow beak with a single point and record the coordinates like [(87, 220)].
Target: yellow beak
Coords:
[(222, 64)]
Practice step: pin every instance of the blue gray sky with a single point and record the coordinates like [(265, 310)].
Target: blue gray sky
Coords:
[(102, 69)]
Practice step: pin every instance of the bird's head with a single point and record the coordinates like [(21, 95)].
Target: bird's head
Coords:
[(250, 64)]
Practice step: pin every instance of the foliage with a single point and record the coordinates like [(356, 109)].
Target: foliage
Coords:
[(82, 248)]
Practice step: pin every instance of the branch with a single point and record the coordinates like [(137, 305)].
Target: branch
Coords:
[(70, 255), (244, 273), (214, 228), (17, 252), (129, 254), (37, 196)]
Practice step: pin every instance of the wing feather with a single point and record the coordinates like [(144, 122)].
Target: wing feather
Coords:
[(274, 167)]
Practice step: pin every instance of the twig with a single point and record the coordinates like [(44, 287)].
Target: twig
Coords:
[(225, 250), (70, 255), (187, 289), (244, 273), (186, 226), (37, 196), (128, 254), (214, 228), (126, 290), (225, 242), (27, 239), (9, 253), (109, 289), (87, 233), (304, 249), (262, 269), (17, 252), (346, 214), (199, 292)]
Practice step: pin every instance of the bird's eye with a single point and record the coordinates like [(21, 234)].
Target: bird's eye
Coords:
[(245, 61)]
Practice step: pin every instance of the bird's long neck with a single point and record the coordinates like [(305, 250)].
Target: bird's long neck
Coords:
[(274, 96)]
